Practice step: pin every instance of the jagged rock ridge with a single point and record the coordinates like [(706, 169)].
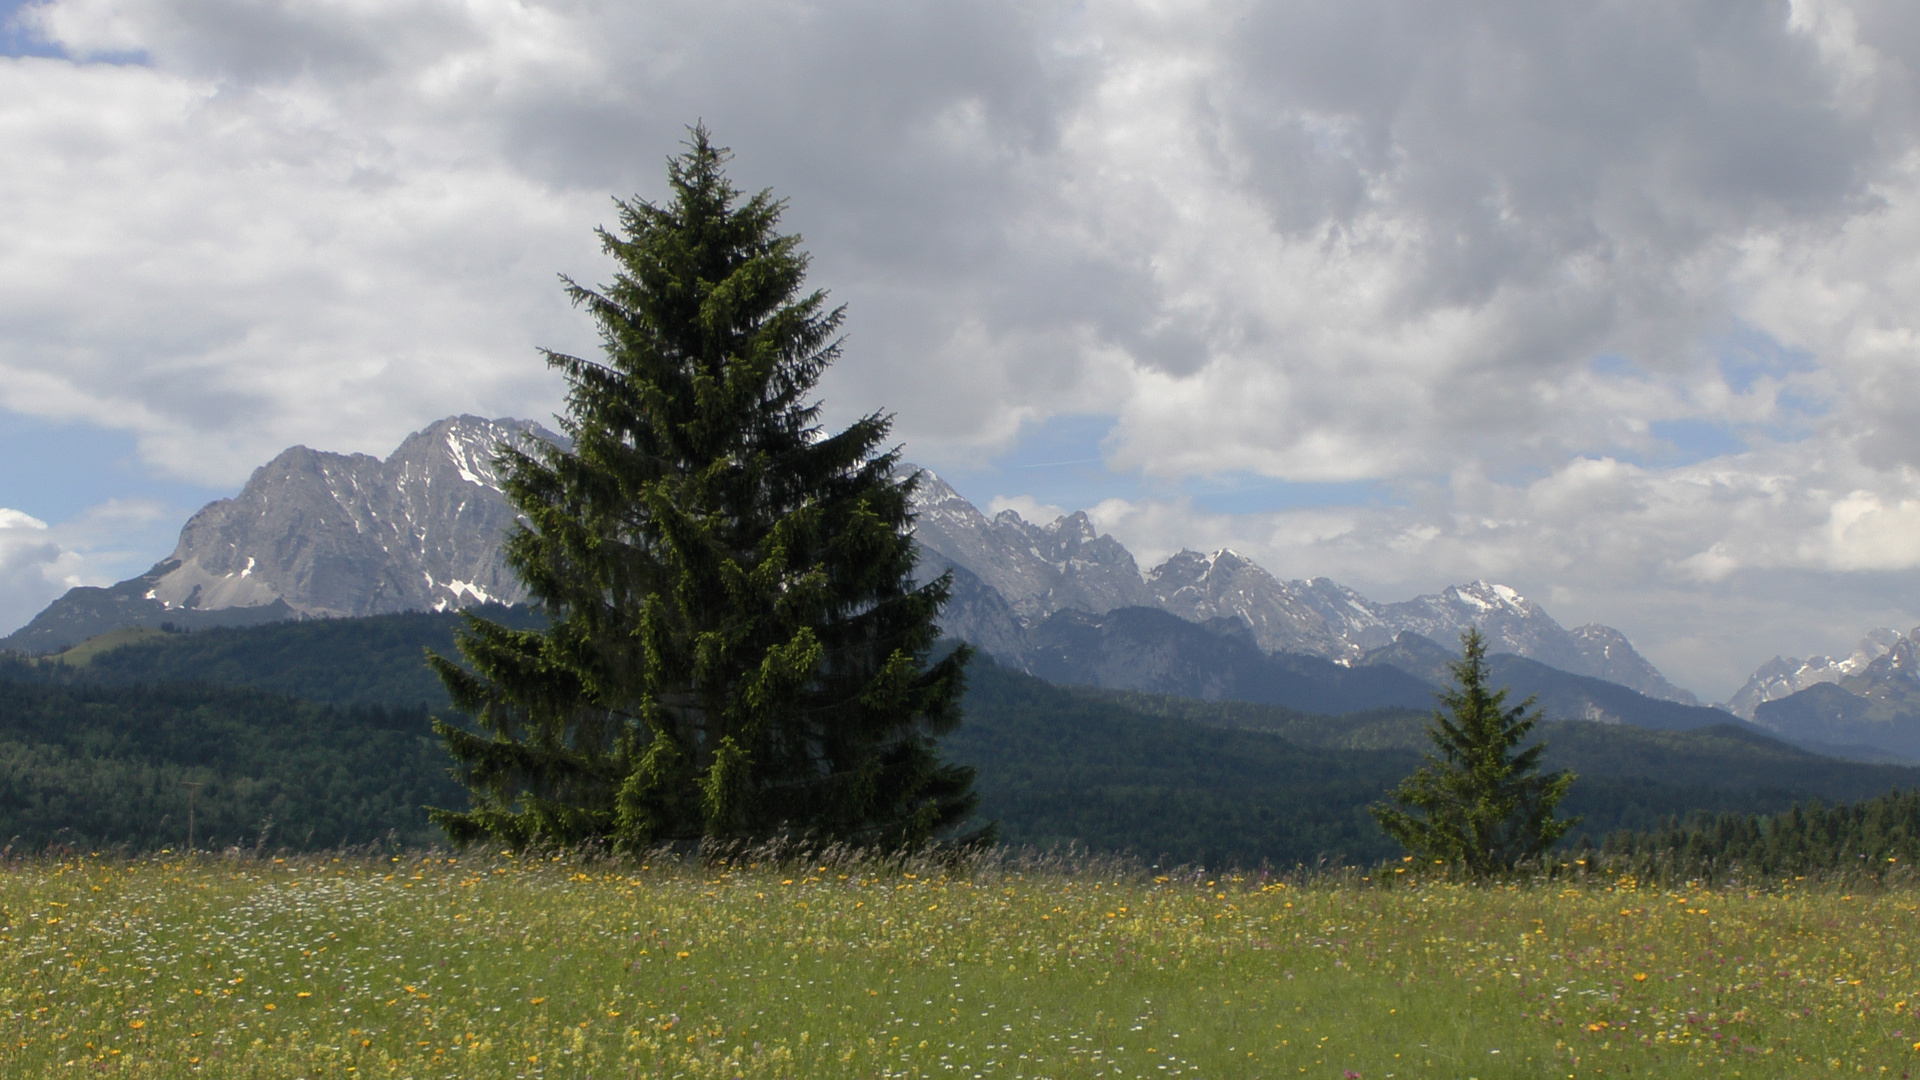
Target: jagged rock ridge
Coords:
[(1782, 677), (1874, 703), (317, 534), (1068, 566)]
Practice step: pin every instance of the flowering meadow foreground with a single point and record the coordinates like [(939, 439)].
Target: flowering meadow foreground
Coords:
[(487, 966)]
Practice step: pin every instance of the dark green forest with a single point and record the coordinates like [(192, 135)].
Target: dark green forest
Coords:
[(1871, 838), (1224, 782), (321, 728), (378, 660), (97, 766)]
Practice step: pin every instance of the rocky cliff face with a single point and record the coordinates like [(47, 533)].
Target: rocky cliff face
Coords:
[(1225, 584), (1039, 569), (342, 535), (316, 534), (1068, 566), (1782, 677), (319, 534)]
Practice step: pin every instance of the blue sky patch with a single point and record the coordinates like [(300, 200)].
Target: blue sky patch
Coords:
[(1747, 355), (55, 471), (1694, 440), (16, 40)]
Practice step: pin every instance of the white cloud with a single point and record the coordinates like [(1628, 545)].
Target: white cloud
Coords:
[(34, 567), (1478, 253)]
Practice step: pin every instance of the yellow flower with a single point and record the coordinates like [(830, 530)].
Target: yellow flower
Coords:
[(1641, 977), (139, 1023), (537, 1001), (304, 994), (270, 1008)]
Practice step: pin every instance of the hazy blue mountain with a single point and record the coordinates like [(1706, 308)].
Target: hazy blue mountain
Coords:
[(1784, 676), (1067, 565), (1151, 650), (1561, 695)]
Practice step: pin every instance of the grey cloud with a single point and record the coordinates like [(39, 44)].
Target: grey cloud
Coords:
[(1315, 239)]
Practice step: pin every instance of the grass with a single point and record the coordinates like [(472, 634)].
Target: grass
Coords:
[(82, 654), (430, 966)]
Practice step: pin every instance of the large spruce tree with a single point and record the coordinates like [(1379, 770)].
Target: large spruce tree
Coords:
[(735, 648), (1481, 803)]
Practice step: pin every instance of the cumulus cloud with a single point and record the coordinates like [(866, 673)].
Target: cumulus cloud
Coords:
[(34, 567), (1492, 256)]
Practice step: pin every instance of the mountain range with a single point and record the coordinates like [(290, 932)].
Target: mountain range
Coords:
[(314, 534), (323, 535), (1035, 571)]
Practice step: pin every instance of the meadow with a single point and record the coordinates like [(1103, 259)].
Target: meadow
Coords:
[(430, 965)]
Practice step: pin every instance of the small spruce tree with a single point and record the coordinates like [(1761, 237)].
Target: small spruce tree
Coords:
[(735, 646), (1481, 803)]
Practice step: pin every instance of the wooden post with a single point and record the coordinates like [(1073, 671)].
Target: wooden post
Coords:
[(193, 788)]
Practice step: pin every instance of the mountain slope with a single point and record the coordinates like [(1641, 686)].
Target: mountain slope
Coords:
[(95, 765), (316, 534), (1068, 565), (1783, 676), (1151, 650), (1875, 706), (1037, 569), (1561, 695), (321, 535), (1188, 779)]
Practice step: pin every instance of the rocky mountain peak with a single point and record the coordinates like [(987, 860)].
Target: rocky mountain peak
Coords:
[(1038, 569), (322, 534), (350, 534), (1488, 597), (1030, 565), (1901, 662), (1782, 677), (1227, 584), (325, 534)]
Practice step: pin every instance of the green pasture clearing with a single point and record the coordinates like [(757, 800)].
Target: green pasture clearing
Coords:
[(431, 966), (83, 654)]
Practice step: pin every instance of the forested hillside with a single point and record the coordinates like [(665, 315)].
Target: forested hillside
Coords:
[(1228, 782), (1872, 837), (379, 660), (92, 766), (321, 726)]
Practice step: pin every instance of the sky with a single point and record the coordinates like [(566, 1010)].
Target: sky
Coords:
[(1612, 301)]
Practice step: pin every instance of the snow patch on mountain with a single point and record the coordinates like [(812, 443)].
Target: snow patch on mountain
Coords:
[(1784, 676), (1068, 565)]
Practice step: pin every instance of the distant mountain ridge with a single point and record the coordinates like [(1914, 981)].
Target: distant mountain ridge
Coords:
[(324, 535), (1783, 677), (1068, 566), (1872, 705)]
